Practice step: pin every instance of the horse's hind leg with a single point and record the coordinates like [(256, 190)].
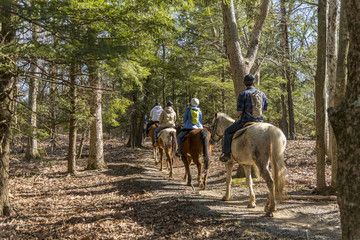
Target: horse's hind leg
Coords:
[(161, 159), (155, 155), (249, 182), (228, 166), (270, 204), (169, 162), (199, 168), (187, 164)]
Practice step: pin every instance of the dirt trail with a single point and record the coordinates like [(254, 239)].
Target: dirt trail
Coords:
[(293, 219)]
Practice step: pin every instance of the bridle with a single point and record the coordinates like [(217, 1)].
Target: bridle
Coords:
[(214, 132)]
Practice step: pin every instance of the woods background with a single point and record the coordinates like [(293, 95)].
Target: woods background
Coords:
[(93, 69)]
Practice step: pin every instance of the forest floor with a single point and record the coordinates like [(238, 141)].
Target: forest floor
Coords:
[(132, 199)]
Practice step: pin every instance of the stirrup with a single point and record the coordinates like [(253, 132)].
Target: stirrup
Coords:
[(224, 157), (155, 144)]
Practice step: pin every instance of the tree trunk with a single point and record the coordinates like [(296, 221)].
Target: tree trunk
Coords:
[(287, 70), (53, 108), (81, 147), (339, 88), (240, 65), (7, 85), (96, 152), (331, 71), (73, 121), (32, 148), (223, 97), (346, 124), (320, 96), (284, 123)]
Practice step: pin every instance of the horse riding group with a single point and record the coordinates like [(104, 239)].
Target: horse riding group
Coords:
[(247, 141)]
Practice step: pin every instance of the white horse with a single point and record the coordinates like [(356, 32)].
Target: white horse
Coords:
[(256, 144)]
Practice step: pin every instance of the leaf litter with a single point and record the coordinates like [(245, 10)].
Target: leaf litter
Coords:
[(132, 199)]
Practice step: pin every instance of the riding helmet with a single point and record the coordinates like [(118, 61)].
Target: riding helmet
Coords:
[(194, 102), (249, 79), (156, 104), (169, 103)]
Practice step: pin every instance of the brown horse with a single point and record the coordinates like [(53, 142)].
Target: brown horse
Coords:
[(167, 144), (152, 136), (195, 145)]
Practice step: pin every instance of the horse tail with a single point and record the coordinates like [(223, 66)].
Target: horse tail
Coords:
[(205, 139), (277, 148)]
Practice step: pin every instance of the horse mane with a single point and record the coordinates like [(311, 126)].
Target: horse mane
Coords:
[(224, 115)]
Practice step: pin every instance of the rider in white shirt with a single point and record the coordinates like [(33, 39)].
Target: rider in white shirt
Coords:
[(154, 115)]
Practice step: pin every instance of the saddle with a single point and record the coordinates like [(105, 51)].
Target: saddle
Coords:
[(169, 129), (187, 134), (241, 131)]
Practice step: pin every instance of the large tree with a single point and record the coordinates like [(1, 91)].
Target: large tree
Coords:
[(346, 124), (96, 154), (32, 148), (241, 65), (337, 88), (320, 96), (7, 86)]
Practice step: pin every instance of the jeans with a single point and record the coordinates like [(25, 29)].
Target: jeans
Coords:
[(149, 123), (181, 136), (157, 130), (228, 134)]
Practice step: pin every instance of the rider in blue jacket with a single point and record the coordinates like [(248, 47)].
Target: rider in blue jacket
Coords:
[(192, 120)]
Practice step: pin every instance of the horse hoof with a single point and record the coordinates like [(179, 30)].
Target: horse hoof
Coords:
[(251, 205), (269, 214), (225, 199)]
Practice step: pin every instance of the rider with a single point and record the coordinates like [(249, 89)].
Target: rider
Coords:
[(251, 103), (167, 120), (154, 116), (192, 120)]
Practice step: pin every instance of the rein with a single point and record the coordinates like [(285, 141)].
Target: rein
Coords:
[(215, 132)]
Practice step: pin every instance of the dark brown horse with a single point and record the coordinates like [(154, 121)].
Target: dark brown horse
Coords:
[(193, 147), (152, 136), (167, 144)]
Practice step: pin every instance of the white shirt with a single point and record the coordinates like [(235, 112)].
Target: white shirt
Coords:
[(155, 113)]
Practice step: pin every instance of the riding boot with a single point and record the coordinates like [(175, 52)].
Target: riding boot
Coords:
[(178, 153), (225, 157)]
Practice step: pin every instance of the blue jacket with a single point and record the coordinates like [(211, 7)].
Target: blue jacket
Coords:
[(187, 119)]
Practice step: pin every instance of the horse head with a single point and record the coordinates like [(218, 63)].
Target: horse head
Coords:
[(218, 126)]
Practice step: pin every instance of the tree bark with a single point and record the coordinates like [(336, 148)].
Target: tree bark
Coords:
[(346, 124), (320, 96), (73, 121), (340, 83), (7, 85), (32, 147), (331, 71), (96, 151)]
